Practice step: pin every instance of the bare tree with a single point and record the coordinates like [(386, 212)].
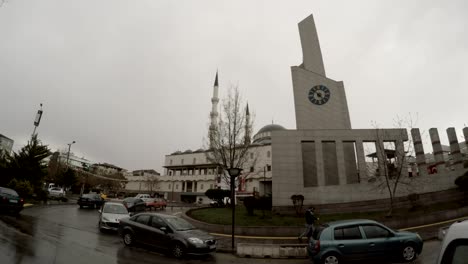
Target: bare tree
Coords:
[(228, 140), (151, 183), (393, 160)]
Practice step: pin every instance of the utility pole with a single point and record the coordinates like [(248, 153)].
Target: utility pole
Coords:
[(37, 120), (68, 154)]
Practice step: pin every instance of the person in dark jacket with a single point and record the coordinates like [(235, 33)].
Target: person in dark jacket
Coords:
[(310, 219)]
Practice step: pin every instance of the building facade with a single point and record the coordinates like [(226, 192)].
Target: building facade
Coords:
[(6, 145)]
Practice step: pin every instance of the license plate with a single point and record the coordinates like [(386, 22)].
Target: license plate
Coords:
[(212, 246), (13, 201)]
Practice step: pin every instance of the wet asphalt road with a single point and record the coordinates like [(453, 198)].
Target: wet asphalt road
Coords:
[(67, 234)]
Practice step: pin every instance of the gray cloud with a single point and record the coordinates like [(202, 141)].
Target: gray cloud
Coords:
[(132, 81)]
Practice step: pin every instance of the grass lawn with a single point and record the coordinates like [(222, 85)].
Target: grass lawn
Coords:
[(222, 216)]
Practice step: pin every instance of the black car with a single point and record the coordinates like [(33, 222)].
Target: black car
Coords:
[(92, 200), (10, 201), (170, 233), (134, 205)]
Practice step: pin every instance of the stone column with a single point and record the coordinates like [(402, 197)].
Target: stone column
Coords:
[(381, 156), (319, 163), (361, 159), (419, 150), (340, 162), (465, 133), (454, 149), (437, 148), (400, 159)]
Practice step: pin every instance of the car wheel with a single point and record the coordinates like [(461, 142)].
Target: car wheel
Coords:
[(178, 250), (408, 253), (128, 239), (331, 258)]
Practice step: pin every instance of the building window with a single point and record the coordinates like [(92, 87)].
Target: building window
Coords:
[(204, 171), (182, 162), (177, 186), (251, 155), (268, 154), (170, 162), (251, 169), (194, 160), (268, 167), (170, 173), (170, 186), (201, 186)]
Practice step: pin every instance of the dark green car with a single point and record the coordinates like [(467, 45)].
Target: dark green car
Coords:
[(347, 240)]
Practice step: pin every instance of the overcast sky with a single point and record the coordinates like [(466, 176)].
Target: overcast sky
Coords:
[(131, 81)]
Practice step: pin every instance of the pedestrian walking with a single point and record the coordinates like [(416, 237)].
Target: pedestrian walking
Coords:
[(310, 219)]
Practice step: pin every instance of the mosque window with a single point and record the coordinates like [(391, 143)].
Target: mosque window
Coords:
[(194, 160), (268, 154), (201, 186), (177, 186), (251, 169), (268, 167), (182, 162), (170, 162)]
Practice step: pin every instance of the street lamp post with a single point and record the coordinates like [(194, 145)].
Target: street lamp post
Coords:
[(69, 147), (233, 172)]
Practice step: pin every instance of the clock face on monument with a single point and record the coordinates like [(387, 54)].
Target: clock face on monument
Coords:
[(319, 95)]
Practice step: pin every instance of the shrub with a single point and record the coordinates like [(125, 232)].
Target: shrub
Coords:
[(22, 187), (263, 203)]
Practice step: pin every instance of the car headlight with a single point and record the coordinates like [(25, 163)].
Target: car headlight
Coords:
[(196, 241)]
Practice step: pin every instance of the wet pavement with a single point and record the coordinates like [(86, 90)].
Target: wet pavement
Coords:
[(67, 234)]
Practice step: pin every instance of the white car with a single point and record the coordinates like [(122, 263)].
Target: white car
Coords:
[(454, 249), (145, 197), (56, 192), (110, 215)]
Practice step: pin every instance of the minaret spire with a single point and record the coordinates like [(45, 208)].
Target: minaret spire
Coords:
[(247, 126), (214, 106)]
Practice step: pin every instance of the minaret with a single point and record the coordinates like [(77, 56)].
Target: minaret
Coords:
[(247, 126), (214, 106)]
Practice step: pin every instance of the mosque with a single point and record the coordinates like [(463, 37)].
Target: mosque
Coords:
[(323, 159)]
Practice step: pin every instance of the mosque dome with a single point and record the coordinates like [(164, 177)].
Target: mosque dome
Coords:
[(263, 136)]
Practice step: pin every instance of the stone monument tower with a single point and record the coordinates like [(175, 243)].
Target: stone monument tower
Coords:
[(320, 102)]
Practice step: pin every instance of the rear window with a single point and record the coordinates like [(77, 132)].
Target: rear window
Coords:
[(8, 191), (318, 231), (347, 232)]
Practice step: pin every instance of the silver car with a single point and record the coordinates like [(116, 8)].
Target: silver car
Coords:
[(110, 215)]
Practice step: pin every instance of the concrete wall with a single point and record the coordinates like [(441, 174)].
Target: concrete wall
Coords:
[(288, 173)]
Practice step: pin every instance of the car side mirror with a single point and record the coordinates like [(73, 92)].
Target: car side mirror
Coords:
[(131, 214)]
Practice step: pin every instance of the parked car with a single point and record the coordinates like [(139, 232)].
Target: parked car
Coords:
[(157, 203), (10, 201), (111, 214), (92, 200), (347, 240), (144, 197), (134, 205), (454, 249), (169, 233), (56, 193)]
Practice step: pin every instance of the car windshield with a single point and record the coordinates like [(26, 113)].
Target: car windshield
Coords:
[(130, 200), (88, 195), (179, 224), (114, 209)]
